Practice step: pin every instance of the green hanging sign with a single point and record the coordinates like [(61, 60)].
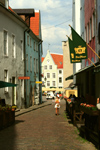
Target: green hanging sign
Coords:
[(77, 47)]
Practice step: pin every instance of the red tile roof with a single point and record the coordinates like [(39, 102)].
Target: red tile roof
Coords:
[(34, 23), (60, 67), (42, 59), (58, 59)]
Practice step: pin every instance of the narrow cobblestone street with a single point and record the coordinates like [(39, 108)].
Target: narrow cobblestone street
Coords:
[(41, 129)]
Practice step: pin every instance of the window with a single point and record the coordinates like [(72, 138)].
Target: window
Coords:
[(34, 46), (53, 75), (60, 80), (45, 67), (27, 39), (27, 62), (48, 83), (13, 47), (53, 83), (6, 79), (27, 87), (50, 67), (90, 29), (5, 43), (31, 63), (87, 33), (37, 47), (48, 75), (37, 65), (93, 25), (30, 43), (22, 50), (22, 88), (60, 71), (34, 66), (48, 61)]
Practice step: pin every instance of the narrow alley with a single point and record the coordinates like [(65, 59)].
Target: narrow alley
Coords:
[(41, 129)]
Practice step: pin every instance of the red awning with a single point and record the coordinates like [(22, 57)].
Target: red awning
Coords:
[(24, 78)]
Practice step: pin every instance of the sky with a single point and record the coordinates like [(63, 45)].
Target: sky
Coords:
[(56, 15)]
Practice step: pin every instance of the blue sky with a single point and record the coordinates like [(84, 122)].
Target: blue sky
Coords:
[(56, 15)]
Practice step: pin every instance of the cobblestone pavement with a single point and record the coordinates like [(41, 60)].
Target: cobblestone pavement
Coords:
[(41, 129)]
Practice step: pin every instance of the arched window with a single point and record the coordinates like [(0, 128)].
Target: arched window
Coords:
[(92, 59)]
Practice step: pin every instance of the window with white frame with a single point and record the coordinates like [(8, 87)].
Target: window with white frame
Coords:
[(53, 75), (27, 39), (31, 63), (27, 62), (45, 67), (13, 46), (5, 43), (50, 67), (48, 83), (48, 75), (6, 79), (60, 71), (22, 50), (53, 83), (60, 80)]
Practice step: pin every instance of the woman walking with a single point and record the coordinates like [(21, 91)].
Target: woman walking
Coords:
[(57, 105)]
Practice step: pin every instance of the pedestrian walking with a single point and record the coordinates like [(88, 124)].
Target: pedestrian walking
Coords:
[(57, 105)]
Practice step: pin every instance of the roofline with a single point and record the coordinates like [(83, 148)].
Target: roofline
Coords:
[(56, 53), (20, 19), (14, 14), (36, 36), (21, 11)]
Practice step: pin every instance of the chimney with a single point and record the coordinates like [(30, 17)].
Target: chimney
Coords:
[(5, 3)]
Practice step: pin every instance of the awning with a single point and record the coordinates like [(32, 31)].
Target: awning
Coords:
[(6, 84), (69, 78)]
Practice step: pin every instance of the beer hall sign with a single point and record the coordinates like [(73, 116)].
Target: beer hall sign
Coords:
[(77, 47)]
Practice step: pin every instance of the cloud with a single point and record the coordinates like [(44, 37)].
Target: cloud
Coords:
[(55, 18), (54, 37)]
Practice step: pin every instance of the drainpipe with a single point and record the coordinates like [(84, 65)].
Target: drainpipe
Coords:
[(25, 102), (40, 100)]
